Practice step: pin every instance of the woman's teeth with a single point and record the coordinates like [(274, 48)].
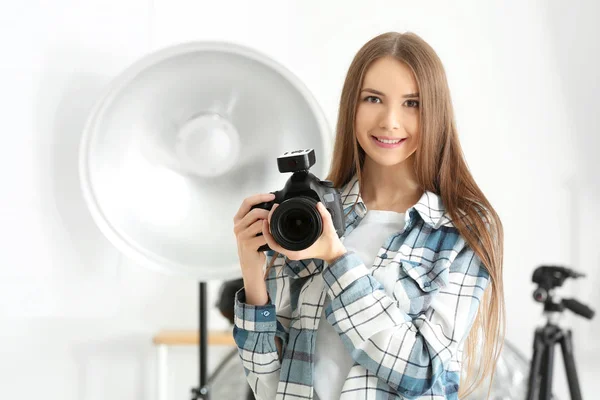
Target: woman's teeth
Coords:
[(388, 141)]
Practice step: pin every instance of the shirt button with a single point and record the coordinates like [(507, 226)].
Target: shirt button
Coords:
[(266, 313), (384, 256), (427, 284)]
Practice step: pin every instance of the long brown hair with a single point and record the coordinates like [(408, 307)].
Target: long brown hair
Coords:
[(440, 168)]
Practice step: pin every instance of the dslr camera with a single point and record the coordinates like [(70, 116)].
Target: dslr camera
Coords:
[(296, 223)]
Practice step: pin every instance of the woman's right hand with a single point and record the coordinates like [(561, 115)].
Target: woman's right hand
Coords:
[(247, 224)]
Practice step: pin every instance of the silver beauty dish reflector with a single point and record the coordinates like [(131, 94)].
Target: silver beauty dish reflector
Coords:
[(177, 142)]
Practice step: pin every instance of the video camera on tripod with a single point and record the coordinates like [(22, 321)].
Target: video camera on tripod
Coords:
[(540, 375)]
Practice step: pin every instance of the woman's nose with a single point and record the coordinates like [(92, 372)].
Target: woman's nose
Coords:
[(390, 119)]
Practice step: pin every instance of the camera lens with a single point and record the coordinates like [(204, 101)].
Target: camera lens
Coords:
[(296, 224)]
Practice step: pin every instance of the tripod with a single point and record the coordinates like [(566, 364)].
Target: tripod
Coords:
[(547, 336)]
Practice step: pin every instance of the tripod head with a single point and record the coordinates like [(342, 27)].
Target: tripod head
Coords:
[(550, 277)]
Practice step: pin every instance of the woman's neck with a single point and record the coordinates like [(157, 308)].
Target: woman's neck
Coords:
[(392, 188)]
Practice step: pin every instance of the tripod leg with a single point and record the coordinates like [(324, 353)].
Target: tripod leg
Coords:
[(547, 367), (536, 361), (566, 344)]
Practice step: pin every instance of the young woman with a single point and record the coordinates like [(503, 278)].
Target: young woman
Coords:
[(409, 302)]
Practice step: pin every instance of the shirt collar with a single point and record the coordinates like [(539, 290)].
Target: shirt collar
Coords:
[(429, 207)]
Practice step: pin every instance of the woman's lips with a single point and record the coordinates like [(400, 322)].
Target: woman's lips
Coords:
[(388, 145)]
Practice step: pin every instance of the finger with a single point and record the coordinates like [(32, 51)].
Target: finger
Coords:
[(269, 238), (271, 212), (256, 242), (323, 210), (251, 201), (252, 230), (250, 218), (325, 215)]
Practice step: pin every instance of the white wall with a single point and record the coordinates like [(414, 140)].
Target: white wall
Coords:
[(76, 318), (577, 52)]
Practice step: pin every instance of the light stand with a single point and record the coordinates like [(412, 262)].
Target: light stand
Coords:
[(202, 391)]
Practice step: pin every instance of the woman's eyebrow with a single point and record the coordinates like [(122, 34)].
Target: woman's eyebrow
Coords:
[(377, 92)]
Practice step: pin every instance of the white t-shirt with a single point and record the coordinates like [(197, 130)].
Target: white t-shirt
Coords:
[(332, 360)]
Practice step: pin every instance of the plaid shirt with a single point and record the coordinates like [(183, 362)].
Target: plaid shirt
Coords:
[(403, 319)]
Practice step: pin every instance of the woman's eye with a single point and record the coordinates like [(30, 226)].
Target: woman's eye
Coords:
[(372, 99), (412, 103)]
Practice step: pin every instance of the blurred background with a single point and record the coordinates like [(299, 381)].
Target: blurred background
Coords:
[(77, 318)]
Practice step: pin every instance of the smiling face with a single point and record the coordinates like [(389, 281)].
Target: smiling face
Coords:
[(387, 115)]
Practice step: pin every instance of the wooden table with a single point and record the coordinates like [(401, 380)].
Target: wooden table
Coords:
[(163, 339)]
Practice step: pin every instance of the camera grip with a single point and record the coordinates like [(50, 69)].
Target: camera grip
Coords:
[(267, 205)]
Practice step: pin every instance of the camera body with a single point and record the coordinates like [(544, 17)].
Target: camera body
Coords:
[(296, 223)]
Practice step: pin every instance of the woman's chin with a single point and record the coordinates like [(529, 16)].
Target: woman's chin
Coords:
[(387, 161)]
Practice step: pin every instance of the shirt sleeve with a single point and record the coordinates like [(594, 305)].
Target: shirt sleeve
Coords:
[(409, 354), (255, 329)]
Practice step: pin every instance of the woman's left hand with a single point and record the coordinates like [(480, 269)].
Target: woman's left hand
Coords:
[(328, 246)]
